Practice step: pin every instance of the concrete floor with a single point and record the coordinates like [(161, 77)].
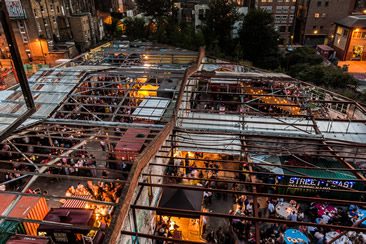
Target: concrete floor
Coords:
[(354, 66)]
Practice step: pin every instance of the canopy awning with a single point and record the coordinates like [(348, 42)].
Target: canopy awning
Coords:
[(272, 161), (209, 143), (180, 199)]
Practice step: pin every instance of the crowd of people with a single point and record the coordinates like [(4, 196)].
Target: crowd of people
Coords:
[(192, 168), (102, 191), (99, 100)]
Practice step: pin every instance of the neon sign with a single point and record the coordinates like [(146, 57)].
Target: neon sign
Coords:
[(323, 184)]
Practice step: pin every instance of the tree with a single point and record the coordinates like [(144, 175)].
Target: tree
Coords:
[(218, 24), (301, 55), (327, 76), (259, 40), (155, 8), (135, 28)]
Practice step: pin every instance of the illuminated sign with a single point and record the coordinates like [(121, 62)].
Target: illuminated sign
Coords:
[(15, 9), (321, 184)]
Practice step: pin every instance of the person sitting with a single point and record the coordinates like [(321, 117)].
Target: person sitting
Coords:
[(293, 216)]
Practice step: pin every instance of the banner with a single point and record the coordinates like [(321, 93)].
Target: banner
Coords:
[(320, 184), (15, 9)]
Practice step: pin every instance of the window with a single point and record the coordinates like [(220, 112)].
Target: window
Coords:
[(321, 27), (326, 4), (51, 6), (282, 29), (324, 15), (339, 30), (319, 4), (356, 35), (359, 35), (316, 15), (282, 9), (314, 27), (42, 8), (35, 12), (290, 18), (267, 8), (39, 27)]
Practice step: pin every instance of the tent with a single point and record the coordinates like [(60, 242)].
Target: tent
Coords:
[(180, 199)]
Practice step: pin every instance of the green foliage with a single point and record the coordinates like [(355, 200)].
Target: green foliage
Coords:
[(135, 28), (327, 76), (302, 55), (217, 28), (259, 40), (154, 8)]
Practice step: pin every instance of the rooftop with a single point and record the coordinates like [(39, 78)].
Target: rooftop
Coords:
[(117, 126), (353, 21)]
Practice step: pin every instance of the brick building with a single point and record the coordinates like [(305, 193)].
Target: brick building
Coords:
[(42, 28), (350, 38), (283, 13), (81, 31), (315, 19)]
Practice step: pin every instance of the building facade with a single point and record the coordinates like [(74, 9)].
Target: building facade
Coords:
[(81, 31), (194, 11), (42, 28), (315, 19), (350, 38), (35, 25), (283, 13)]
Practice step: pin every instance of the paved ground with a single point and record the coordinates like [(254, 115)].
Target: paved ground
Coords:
[(354, 66)]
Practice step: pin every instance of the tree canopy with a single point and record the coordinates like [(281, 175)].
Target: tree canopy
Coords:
[(218, 24), (259, 40), (154, 8)]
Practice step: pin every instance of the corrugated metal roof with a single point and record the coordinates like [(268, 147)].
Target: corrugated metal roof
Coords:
[(331, 174), (358, 21)]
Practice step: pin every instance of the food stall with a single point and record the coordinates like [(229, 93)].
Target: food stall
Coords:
[(79, 228), (185, 226), (93, 191), (305, 178), (27, 208)]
